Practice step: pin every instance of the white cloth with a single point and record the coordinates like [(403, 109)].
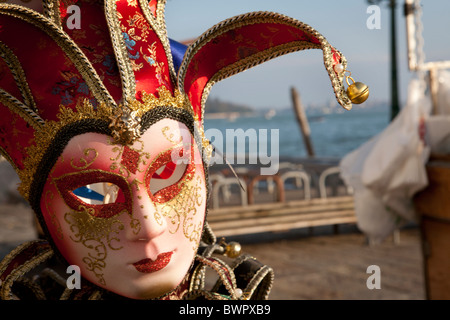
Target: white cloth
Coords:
[(389, 169)]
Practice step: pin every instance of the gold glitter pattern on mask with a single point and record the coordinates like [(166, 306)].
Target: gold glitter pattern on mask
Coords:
[(125, 126), (90, 156), (170, 135), (135, 225), (181, 210), (121, 162), (95, 234)]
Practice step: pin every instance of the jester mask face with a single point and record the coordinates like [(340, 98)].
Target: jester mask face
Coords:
[(104, 126), (130, 217)]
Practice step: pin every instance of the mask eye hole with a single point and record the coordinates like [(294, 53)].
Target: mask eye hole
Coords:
[(166, 175), (105, 194), (99, 193)]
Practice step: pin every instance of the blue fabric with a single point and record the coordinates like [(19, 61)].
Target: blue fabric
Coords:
[(178, 50), (85, 192)]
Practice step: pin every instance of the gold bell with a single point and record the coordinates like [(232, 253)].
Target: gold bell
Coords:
[(233, 249), (358, 92)]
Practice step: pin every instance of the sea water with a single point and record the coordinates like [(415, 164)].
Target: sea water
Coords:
[(332, 135)]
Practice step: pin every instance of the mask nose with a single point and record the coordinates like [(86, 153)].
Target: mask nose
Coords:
[(146, 222)]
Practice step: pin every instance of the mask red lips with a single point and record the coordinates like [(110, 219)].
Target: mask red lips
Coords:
[(149, 266)]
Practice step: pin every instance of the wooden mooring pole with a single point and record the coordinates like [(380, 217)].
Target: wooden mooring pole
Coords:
[(302, 121)]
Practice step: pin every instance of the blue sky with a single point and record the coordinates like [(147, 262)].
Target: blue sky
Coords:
[(343, 23)]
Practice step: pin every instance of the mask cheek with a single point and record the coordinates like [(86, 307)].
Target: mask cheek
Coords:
[(185, 212), (53, 209), (81, 238)]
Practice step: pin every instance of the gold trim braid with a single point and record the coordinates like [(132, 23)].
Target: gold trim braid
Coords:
[(255, 18), (19, 75), (66, 44), (250, 62), (5, 287), (120, 50), (32, 118), (51, 11)]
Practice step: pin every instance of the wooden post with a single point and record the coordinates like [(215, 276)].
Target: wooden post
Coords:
[(434, 88), (395, 104), (302, 121)]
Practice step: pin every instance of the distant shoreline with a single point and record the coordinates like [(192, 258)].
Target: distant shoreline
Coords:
[(228, 115)]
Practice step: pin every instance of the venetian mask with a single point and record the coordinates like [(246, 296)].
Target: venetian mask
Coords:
[(104, 126), (130, 217)]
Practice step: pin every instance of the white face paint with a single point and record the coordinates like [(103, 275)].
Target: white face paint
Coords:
[(129, 217)]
